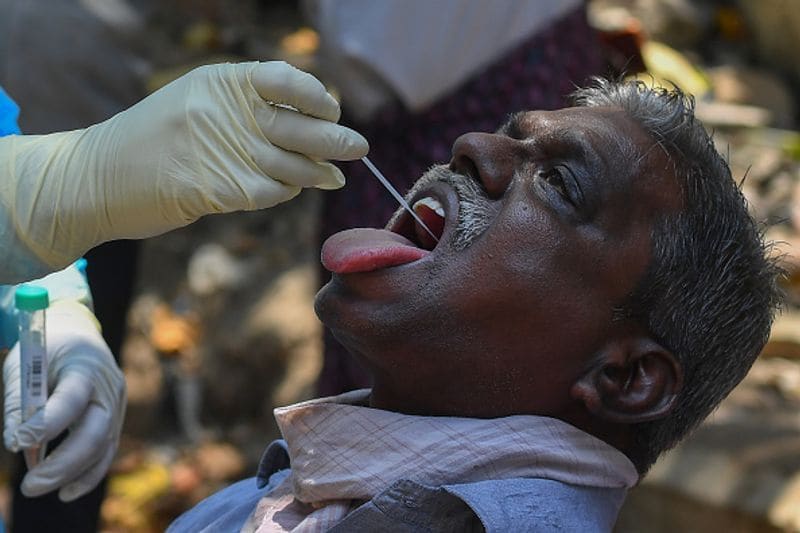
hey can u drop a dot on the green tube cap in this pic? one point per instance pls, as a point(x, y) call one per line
point(31, 298)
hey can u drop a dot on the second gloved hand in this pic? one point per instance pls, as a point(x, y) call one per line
point(87, 398)
point(222, 138)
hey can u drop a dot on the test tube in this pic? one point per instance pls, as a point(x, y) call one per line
point(31, 302)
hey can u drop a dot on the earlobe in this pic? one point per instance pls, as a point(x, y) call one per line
point(633, 380)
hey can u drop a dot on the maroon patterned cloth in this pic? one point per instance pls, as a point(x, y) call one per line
point(537, 74)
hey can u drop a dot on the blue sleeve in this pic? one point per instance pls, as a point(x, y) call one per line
point(9, 113)
point(228, 509)
point(540, 505)
point(66, 285)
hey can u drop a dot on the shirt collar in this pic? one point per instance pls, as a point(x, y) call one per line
point(341, 449)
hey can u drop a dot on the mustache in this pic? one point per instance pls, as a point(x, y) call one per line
point(475, 210)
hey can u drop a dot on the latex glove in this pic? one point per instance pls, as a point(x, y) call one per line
point(212, 141)
point(87, 396)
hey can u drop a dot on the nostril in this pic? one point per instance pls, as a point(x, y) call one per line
point(466, 149)
point(465, 166)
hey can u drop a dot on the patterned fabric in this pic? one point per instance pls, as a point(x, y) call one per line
point(535, 75)
point(343, 454)
point(281, 511)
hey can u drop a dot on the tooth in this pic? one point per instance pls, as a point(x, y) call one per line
point(432, 204)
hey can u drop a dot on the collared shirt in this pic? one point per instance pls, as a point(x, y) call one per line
point(440, 471)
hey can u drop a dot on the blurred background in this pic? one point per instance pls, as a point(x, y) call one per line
point(218, 324)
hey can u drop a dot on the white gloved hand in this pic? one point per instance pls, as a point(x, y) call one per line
point(212, 141)
point(88, 398)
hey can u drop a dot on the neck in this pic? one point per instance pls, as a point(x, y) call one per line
point(617, 435)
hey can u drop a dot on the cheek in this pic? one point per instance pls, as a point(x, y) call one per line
point(530, 299)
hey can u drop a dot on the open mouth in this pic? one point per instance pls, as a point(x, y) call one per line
point(404, 241)
point(431, 212)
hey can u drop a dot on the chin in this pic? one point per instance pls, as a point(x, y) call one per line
point(343, 313)
point(369, 329)
point(345, 325)
point(325, 305)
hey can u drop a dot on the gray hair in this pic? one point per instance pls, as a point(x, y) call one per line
point(710, 292)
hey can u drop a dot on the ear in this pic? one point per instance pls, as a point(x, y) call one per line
point(633, 379)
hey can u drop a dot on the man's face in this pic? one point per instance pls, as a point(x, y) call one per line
point(545, 230)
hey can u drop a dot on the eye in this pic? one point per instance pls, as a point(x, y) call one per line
point(554, 177)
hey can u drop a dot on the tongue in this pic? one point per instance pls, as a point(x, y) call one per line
point(367, 249)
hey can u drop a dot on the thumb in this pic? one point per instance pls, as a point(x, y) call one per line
point(31, 433)
point(12, 409)
point(11, 424)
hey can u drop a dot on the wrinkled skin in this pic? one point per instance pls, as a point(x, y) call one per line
point(510, 322)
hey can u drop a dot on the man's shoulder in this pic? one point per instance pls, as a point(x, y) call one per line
point(537, 504)
point(516, 504)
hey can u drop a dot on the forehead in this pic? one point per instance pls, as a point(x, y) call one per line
point(529, 120)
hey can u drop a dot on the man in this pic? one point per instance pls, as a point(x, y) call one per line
point(596, 289)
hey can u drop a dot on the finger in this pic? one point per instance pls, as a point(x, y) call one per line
point(279, 82)
point(268, 199)
point(310, 136)
point(87, 440)
point(263, 191)
point(11, 423)
point(12, 408)
point(64, 406)
point(12, 417)
point(89, 479)
point(30, 433)
point(291, 168)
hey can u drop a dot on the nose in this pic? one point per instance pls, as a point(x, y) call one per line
point(487, 157)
